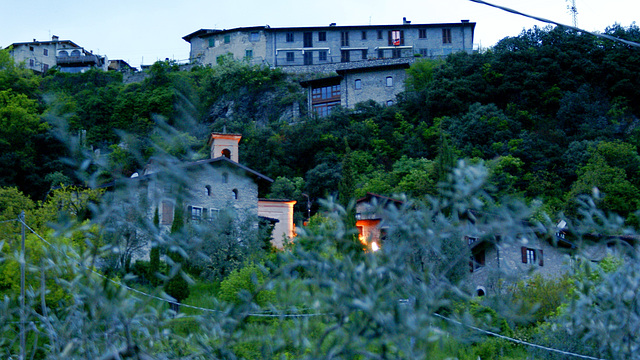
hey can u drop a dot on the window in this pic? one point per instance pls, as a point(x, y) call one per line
point(322, 55)
point(389, 81)
point(477, 261)
point(380, 54)
point(212, 42)
point(167, 212)
point(45, 52)
point(389, 102)
point(531, 256)
point(307, 39)
point(227, 39)
point(364, 54)
point(308, 58)
point(422, 33)
point(226, 153)
point(225, 178)
point(32, 62)
point(248, 54)
point(254, 36)
point(213, 214)
point(322, 36)
point(208, 190)
point(364, 35)
point(45, 67)
point(358, 84)
point(289, 37)
point(345, 56)
point(446, 36)
point(235, 194)
point(290, 56)
point(471, 240)
point(195, 212)
point(30, 48)
point(379, 34)
point(424, 52)
point(395, 38)
point(344, 38)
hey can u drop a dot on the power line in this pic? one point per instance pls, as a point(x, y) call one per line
point(292, 315)
point(518, 341)
point(630, 43)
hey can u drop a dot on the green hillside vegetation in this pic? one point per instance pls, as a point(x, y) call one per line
point(541, 127)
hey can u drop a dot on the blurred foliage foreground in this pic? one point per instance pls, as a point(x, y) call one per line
point(322, 298)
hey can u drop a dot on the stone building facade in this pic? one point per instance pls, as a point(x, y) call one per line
point(213, 186)
point(328, 46)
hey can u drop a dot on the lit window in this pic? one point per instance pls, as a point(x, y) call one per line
point(358, 84)
point(289, 37)
point(446, 36)
point(389, 81)
point(290, 56)
point(322, 36)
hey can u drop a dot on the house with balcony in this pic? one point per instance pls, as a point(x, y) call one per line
point(40, 56)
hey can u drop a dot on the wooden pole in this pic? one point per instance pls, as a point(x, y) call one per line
point(23, 342)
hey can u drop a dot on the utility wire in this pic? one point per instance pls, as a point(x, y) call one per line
point(518, 341)
point(291, 315)
point(630, 43)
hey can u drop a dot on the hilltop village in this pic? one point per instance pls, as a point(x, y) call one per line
point(375, 192)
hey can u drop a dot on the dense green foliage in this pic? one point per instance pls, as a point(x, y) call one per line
point(548, 118)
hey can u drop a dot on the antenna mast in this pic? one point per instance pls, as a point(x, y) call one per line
point(574, 11)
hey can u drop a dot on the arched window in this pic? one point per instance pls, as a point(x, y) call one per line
point(226, 153)
point(75, 53)
point(235, 194)
point(63, 53)
point(480, 291)
point(225, 178)
point(208, 190)
point(389, 81)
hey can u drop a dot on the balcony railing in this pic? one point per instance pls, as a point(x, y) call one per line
point(77, 60)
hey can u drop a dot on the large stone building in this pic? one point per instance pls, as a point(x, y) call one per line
point(320, 48)
point(40, 56)
point(369, 60)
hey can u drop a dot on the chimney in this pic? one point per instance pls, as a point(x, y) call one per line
point(332, 24)
point(464, 21)
point(55, 38)
point(226, 145)
point(405, 22)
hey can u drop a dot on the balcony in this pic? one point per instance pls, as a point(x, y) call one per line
point(84, 60)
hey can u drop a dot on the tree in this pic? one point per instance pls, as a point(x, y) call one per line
point(177, 287)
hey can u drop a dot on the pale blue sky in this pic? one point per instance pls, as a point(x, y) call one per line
point(149, 30)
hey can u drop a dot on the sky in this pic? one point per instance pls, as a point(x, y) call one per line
point(144, 31)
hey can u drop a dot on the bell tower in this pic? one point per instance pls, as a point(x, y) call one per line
point(223, 144)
